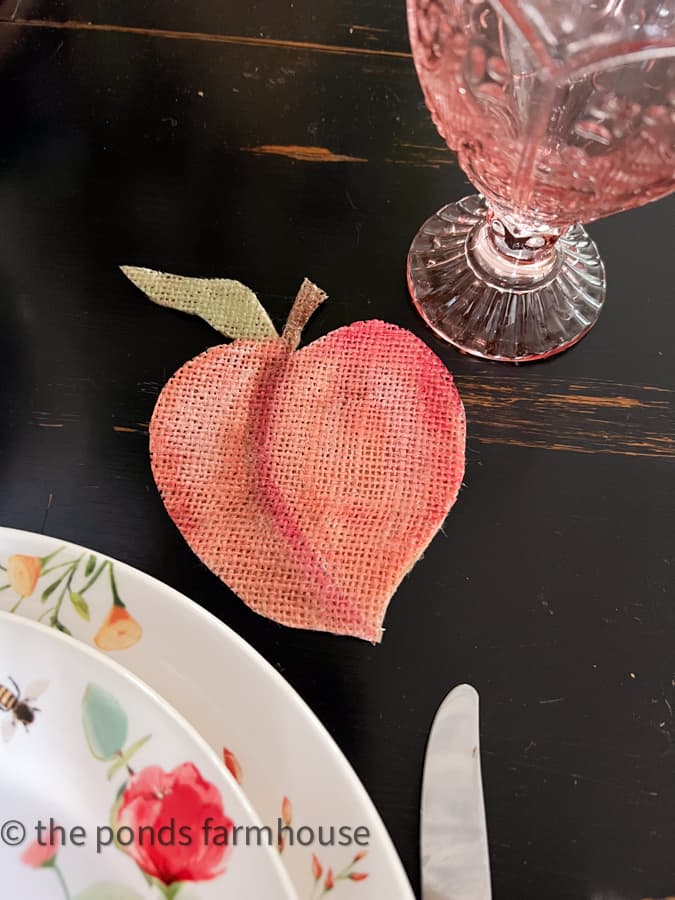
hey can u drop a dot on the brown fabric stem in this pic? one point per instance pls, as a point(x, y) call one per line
point(308, 300)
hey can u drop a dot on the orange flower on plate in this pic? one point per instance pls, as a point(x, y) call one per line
point(329, 883)
point(317, 868)
point(358, 876)
point(232, 763)
point(23, 573)
point(286, 818)
point(119, 631)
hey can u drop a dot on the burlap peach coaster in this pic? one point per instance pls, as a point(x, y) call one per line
point(312, 480)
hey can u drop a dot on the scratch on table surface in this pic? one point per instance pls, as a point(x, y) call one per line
point(127, 429)
point(508, 393)
point(421, 146)
point(552, 700)
point(367, 28)
point(599, 381)
point(324, 155)
point(422, 155)
point(44, 518)
point(45, 418)
point(304, 154)
point(576, 448)
point(612, 402)
point(412, 162)
point(353, 205)
point(206, 37)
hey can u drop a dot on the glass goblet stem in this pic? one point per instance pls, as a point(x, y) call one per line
point(512, 257)
point(500, 290)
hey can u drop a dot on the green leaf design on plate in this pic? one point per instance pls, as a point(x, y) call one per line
point(108, 890)
point(80, 605)
point(94, 578)
point(169, 891)
point(105, 723)
point(229, 306)
point(48, 591)
point(149, 880)
point(126, 757)
point(113, 821)
point(89, 568)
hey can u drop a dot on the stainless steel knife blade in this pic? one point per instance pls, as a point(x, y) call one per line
point(454, 844)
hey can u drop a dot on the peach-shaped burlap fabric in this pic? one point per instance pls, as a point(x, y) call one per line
point(311, 481)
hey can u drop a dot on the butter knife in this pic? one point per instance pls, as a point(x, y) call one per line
point(454, 844)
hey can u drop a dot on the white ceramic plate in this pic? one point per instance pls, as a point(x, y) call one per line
point(288, 765)
point(92, 758)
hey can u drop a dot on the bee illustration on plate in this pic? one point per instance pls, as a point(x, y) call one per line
point(20, 708)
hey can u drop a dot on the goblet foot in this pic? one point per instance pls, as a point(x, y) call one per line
point(500, 316)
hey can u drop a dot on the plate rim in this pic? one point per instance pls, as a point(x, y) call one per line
point(11, 620)
point(331, 747)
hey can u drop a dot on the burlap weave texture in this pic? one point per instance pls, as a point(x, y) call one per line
point(311, 480)
point(229, 306)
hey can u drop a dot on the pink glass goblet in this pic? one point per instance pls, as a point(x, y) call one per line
point(560, 112)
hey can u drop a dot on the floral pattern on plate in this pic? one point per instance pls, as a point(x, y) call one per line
point(323, 881)
point(118, 631)
point(156, 817)
point(286, 755)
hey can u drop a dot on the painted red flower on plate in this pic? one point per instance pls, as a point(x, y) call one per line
point(41, 854)
point(175, 805)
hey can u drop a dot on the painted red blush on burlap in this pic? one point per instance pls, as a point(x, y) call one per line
point(311, 481)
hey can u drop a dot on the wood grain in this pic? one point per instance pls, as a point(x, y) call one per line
point(303, 154)
point(586, 416)
point(207, 37)
point(244, 83)
point(374, 24)
point(417, 155)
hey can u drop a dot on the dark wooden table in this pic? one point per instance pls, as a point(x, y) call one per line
point(270, 140)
